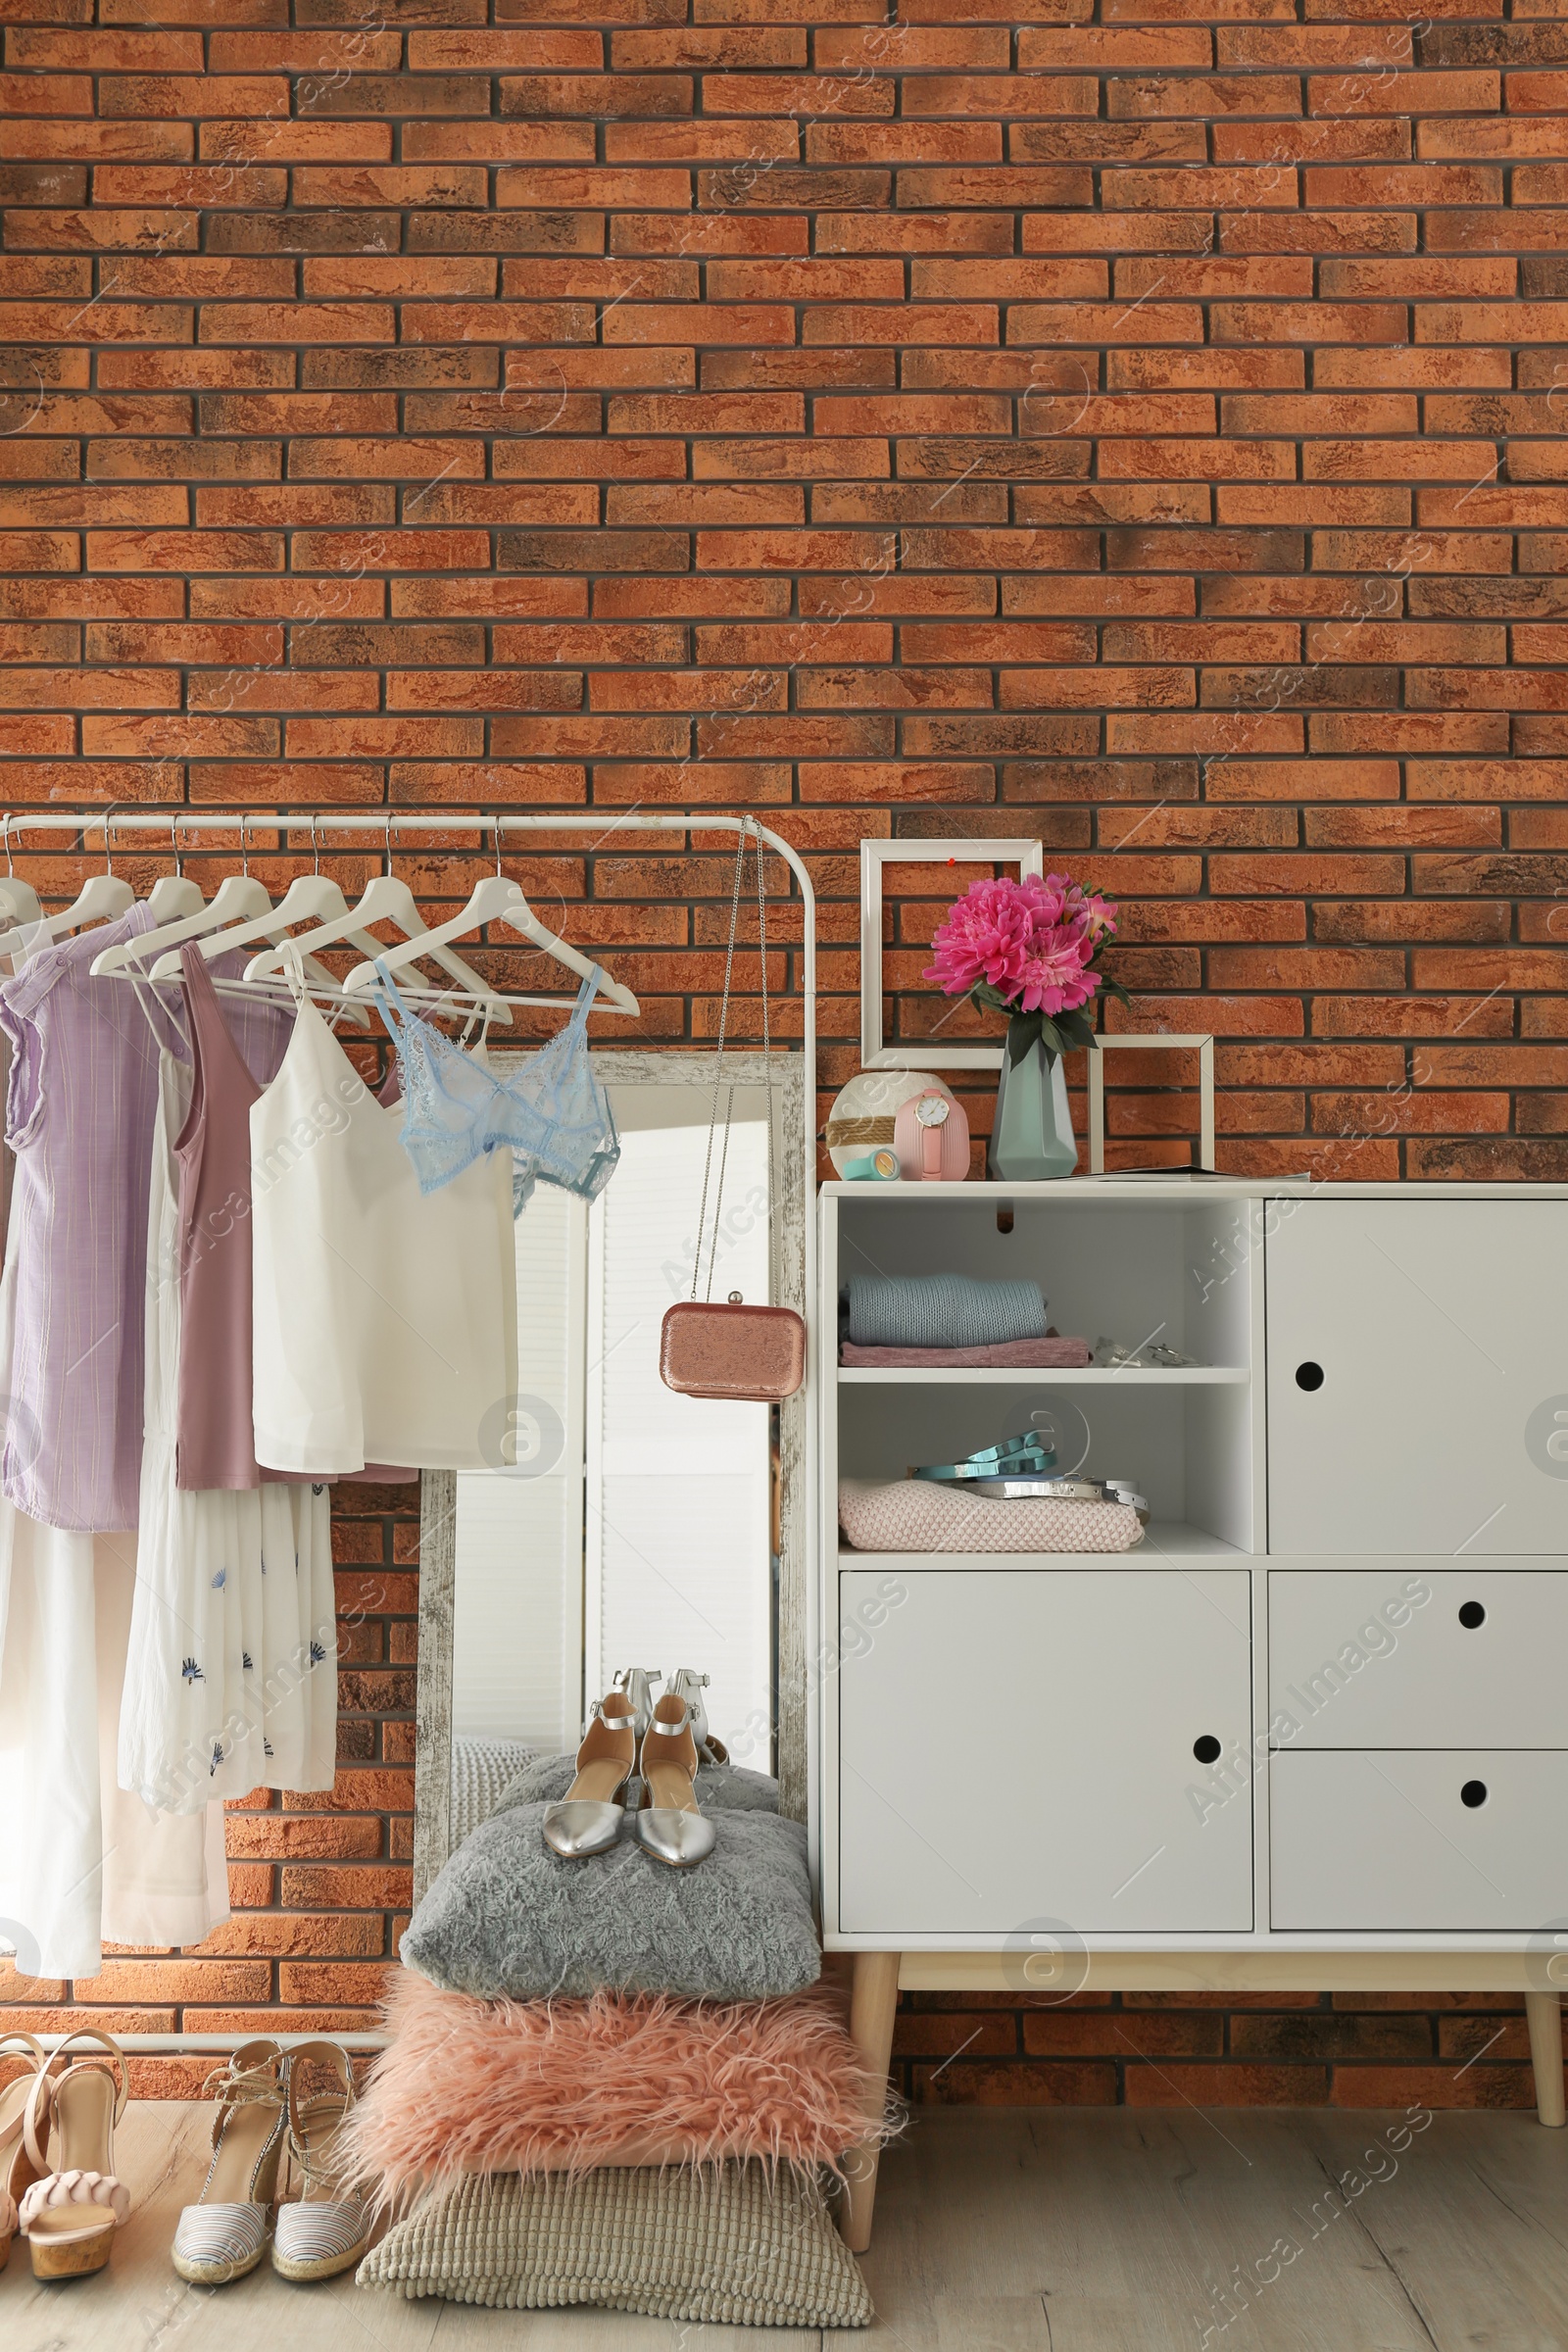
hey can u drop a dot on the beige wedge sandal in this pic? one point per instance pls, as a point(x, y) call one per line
point(17, 2175)
point(322, 2230)
point(223, 2235)
point(70, 2215)
point(587, 1819)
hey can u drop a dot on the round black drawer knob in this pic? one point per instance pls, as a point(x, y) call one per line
point(1471, 1614)
point(1206, 1750)
point(1310, 1376)
point(1474, 1793)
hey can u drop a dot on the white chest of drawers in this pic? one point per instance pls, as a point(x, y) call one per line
point(1314, 1731)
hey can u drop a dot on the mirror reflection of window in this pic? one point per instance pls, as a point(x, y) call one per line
point(516, 1666)
point(678, 1534)
point(636, 1529)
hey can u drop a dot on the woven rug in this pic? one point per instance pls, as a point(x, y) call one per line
point(743, 2245)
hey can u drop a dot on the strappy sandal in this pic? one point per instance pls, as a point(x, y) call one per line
point(687, 1684)
point(320, 2231)
point(70, 2215)
point(17, 2175)
point(670, 1824)
point(223, 2237)
point(637, 1681)
point(587, 1819)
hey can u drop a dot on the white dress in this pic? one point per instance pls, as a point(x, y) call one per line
point(385, 1318)
point(81, 1862)
point(231, 1682)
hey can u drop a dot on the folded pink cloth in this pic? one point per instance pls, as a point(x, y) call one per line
point(1027, 1354)
point(918, 1514)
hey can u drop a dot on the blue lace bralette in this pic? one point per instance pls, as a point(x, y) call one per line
point(554, 1114)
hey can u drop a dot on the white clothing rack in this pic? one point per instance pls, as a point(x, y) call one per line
point(386, 827)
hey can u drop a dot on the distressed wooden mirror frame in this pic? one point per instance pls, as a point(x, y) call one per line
point(438, 1489)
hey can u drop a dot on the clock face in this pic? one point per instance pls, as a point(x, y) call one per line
point(932, 1110)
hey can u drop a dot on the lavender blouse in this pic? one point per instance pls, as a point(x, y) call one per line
point(79, 1110)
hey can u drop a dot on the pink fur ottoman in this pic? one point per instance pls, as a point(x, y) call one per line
point(468, 2086)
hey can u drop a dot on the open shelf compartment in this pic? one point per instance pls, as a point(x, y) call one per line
point(1171, 1266)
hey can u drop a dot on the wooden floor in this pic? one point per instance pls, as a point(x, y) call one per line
point(997, 2230)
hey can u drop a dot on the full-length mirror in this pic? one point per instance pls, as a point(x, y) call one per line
point(624, 1524)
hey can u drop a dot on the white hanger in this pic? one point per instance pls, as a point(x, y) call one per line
point(102, 898)
point(386, 899)
point(235, 897)
point(309, 898)
point(172, 895)
point(19, 900)
point(496, 899)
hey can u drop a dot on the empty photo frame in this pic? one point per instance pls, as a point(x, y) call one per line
point(923, 1053)
point(1143, 1042)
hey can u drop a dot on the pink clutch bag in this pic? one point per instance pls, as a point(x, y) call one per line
point(744, 1354)
point(931, 1137)
point(731, 1351)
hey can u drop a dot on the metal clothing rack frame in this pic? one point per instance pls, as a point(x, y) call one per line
point(385, 825)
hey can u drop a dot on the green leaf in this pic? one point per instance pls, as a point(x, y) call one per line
point(1024, 1030)
point(988, 999)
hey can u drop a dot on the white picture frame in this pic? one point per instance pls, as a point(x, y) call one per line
point(926, 1054)
point(1141, 1041)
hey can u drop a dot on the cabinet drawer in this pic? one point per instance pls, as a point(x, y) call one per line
point(1389, 1841)
point(1394, 1656)
point(1016, 1745)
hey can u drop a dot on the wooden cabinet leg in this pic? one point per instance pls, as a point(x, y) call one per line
point(1546, 2055)
point(873, 2003)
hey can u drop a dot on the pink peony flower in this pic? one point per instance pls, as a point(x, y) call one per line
point(1055, 975)
point(984, 936)
point(1047, 898)
point(1033, 940)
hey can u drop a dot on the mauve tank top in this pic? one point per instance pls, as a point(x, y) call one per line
point(214, 1440)
point(237, 1048)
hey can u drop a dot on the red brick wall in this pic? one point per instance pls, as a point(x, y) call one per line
point(1274, 2049)
point(1131, 421)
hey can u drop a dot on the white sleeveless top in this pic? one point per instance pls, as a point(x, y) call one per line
point(385, 1318)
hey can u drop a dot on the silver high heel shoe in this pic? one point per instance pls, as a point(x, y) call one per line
point(637, 1681)
point(587, 1819)
point(670, 1824)
point(687, 1684)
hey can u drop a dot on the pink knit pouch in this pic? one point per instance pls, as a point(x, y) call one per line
point(915, 1514)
